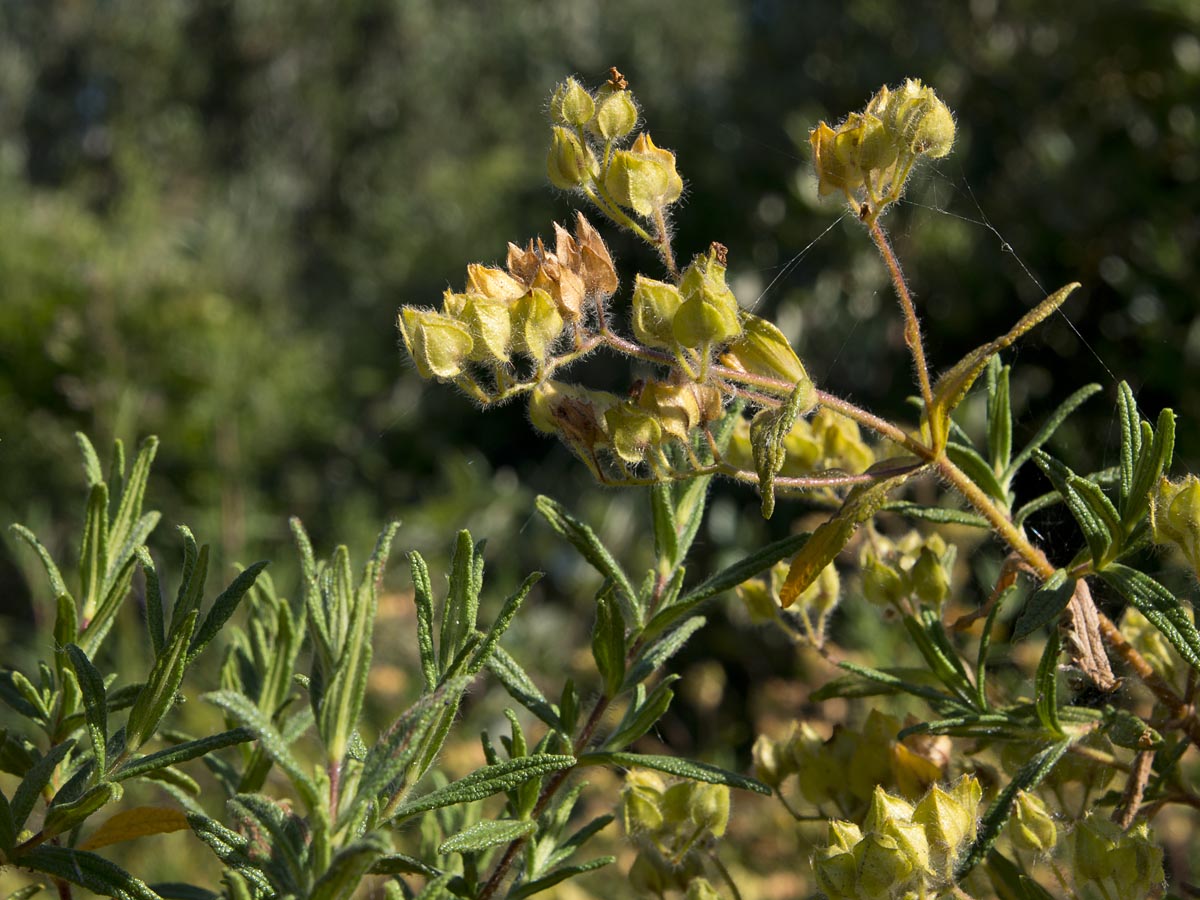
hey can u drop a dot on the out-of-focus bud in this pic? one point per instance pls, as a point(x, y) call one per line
point(1151, 643)
point(571, 105)
point(882, 866)
point(761, 604)
point(708, 806)
point(438, 344)
point(1091, 773)
point(701, 889)
point(763, 350)
point(836, 875)
point(869, 759)
point(1092, 844)
point(642, 799)
point(574, 413)
point(655, 304)
point(842, 441)
point(633, 431)
point(616, 113)
point(596, 265)
point(882, 584)
point(1137, 863)
point(709, 314)
point(569, 163)
point(834, 174)
point(950, 821)
point(770, 764)
point(821, 766)
point(930, 580)
point(643, 178)
point(648, 879)
point(496, 284)
point(1175, 516)
point(1031, 827)
point(537, 323)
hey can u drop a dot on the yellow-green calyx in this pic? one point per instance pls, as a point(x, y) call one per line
point(709, 313)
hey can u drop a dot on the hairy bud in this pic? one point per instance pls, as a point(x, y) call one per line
point(438, 344)
point(570, 164)
point(572, 105)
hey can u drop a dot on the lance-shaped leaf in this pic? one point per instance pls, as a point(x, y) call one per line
point(830, 537)
point(62, 817)
point(35, 781)
point(191, 582)
point(423, 597)
point(273, 743)
point(1164, 610)
point(231, 849)
point(171, 756)
point(507, 613)
point(999, 416)
point(95, 703)
point(1051, 425)
point(521, 687)
point(461, 607)
point(725, 580)
point(93, 550)
point(656, 654)
point(58, 587)
point(1131, 439)
point(642, 713)
point(666, 529)
point(483, 835)
point(588, 544)
point(891, 681)
point(349, 867)
point(977, 469)
point(99, 624)
point(673, 765)
point(1046, 685)
point(270, 824)
point(1045, 606)
point(952, 386)
point(487, 781)
point(155, 625)
point(608, 643)
point(88, 870)
point(158, 694)
point(125, 529)
point(1028, 778)
point(1152, 462)
point(1097, 518)
point(223, 608)
point(547, 881)
point(942, 514)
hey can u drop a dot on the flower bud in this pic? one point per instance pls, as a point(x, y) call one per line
point(862, 143)
point(760, 603)
point(643, 178)
point(834, 174)
point(930, 580)
point(489, 320)
point(642, 802)
point(1137, 863)
point(709, 313)
point(773, 760)
point(536, 324)
point(574, 413)
point(701, 889)
point(822, 595)
point(1175, 516)
point(495, 283)
point(680, 407)
point(438, 344)
point(843, 835)
point(821, 766)
point(569, 163)
point(648, 879)
point(564, 286)
point(836, 875)
point(632, 431)
point(881, 866)
point(882, 584)
point(616, 113)
point(763, 350)
point(886, 808)
point(1092, 845)
point(1031, 826)
point(571, 105)
point(708, 806)
point(949, 820)
point(655, 304)
point(920, 121)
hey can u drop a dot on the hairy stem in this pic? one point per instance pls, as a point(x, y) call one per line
point(912, 325)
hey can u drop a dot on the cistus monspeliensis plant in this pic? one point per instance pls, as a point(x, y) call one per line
point(991, 784)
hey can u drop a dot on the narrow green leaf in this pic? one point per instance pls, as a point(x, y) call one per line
point(642, 714)
point(1029, 777)
point(154, 602)
point(890, 680)
point(666, 529)
point(1010, 883)
point(64, 816)
point(507, 612)
point(985, 643)
point(487, 781)
point(26, 892)
point(88, 870)
point(1093, 526)
point(939, 514)
point(1046, 685)
point(608, 643)
point(521, 687)
point(588, 544)
point(92, 470)
point(401, 864)
point(191, 583)
point(230, 848)
point(175, 890)
point(977, 469)
point(656, 654)
point(550, 879)
point(458, 619)
point(8, 827)
point(105, 613)
point(93, 551)
point(35, 781)
point(423, 596)
point(273, 743)
point(16, 755)
point(1101, 509)
point(19, 694)
point(223, 608)
point(999, 416)
point(172, 756)
point(483, 835)
point(727, 579)
point(1151, 464)
point(1045, 605)
point(673, 765)
point(58, 587)
point(349, 867)
point(158, 694)
point(941, 658)
point(1160, 606)
point(95, 702)
point(1050, 426)
point(1131, 439)
point(132, 494)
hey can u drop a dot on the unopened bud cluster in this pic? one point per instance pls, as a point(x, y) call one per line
point(1175, 517)
point(760, 596)
point(1125, 864)
point(673, 825)
point(901, 851)
point(845, 770)
point(912, 569)
point(869, 155)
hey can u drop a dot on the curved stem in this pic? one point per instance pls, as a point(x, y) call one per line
point(664, 242)
point(912, 325)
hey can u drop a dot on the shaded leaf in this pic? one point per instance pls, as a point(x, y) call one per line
point(1045, 605)
point(487, 781)
point(673, 765)
point(1160, 606)
point(135, 823)
point(588, 544)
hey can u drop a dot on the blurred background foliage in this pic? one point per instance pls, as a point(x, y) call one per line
point(211, 211)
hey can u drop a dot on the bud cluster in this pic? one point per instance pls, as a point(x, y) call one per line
point(1175, 517)
point(901, 851)
point(913, 569)
point(1125, 864)
point(846, 769)
point(585, 152)
point(673, 825)
point(869, 155)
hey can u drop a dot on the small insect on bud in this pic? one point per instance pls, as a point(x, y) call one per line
point(1031, 826)
point(643, 178)
point(571, 105)
point(655, 304)
point(569, 163)
point(709, 314)
point(438, 344)
point(537, 323)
